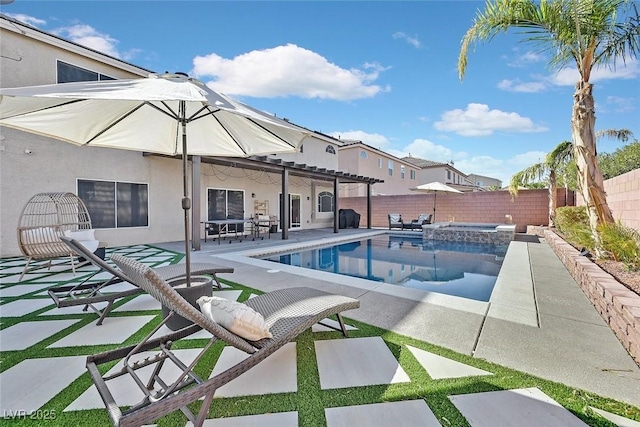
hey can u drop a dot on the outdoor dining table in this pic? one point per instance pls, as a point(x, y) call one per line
point(228, 227)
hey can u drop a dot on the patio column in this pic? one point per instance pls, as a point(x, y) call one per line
point(336, 207)
point(285, 208)
point(195, 201)
point(369, 205)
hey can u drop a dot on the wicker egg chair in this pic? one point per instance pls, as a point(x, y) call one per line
point(45, 218)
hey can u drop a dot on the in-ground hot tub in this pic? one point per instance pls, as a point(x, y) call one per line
point(499, 234)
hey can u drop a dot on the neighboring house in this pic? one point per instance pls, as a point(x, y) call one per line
point(485, 182)
point(108, 179)
point(446, 173)
point(359, 158)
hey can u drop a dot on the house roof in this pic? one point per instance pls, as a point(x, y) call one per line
point(426, 164)
point(349, 143)
point(423, 163)
point(11, 24)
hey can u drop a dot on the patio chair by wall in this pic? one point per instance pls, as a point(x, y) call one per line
point(417, 224)
point(90, 293)
point(43, 220)
point(395, 221)
point(287, 313)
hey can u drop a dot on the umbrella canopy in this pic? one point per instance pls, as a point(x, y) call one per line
point(435, 187)
point(147, 115)
point(168, 114)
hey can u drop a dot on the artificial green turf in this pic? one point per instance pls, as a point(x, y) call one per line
point(310, 400)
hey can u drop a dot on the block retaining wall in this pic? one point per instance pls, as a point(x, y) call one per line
point(531, 207)
point(618, 305)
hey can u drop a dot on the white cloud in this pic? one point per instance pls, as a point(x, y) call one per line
point(373, 139)
point(287, 71)
point(479, 120)
point(30, 20)
point(502, 169)
point(425, 149)
point(88, 36)
point(620, 104)
point(413, 41)
point(517, 86)
point(624, 70)
point(525, 59)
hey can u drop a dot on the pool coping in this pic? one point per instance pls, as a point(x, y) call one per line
point(512, 299)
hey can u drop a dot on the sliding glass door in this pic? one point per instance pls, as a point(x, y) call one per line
point(225, 204)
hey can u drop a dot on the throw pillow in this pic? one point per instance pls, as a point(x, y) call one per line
point(236, 317)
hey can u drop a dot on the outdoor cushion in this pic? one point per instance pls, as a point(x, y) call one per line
point(85, 237)
point(236, 317)
point(81, 235)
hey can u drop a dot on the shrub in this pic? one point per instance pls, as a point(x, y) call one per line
point(573, 223)
point(622, 243)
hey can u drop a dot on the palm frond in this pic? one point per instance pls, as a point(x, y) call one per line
point(561, 154)
point(585, 32)
point(525, 177)
point(620, 134)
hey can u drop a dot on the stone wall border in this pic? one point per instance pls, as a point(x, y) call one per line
point(618, 305)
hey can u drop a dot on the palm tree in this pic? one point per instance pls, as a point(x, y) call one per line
point(559, 156)
point(588, 33)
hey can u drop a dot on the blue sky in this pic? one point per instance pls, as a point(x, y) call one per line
point(382, 72)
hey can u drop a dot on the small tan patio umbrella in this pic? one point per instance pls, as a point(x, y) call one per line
point(435, 187)
point(169, 114)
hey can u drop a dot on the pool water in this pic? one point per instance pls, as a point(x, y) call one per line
point(463, 269)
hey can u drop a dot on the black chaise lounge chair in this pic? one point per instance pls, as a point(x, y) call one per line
point(287, 312)
point(89, 293)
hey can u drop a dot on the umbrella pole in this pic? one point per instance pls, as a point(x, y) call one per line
point(186, 202)
point(435, 194)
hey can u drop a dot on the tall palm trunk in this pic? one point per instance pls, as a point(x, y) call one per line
point(552, 198)
point(590, 181)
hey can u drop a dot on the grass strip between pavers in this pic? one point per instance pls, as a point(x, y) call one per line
point(310, 400)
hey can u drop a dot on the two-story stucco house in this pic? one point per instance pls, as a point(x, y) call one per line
point(358, 158)
point(446, 173)
point(106, 178)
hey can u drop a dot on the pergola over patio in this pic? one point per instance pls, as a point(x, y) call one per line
point(285, 169)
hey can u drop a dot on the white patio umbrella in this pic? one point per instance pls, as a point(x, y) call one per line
point(168, 114)
point(435, 187)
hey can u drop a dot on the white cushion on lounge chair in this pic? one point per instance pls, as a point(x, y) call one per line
point(85, 237)
point(236, 317)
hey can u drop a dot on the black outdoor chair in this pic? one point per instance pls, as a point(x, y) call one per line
point(417, 224)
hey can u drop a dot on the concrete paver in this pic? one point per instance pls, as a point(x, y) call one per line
point(514, 408)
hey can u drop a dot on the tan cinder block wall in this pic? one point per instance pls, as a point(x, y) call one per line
point(623, 197)
point(618, 305)
point(531, 207)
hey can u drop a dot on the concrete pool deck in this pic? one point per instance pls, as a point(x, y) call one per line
point(538, 320)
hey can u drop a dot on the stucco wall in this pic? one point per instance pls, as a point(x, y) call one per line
point(623, 197)
point(529, 208)
point(350, 160)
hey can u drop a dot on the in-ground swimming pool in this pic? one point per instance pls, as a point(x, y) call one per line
point(463, 269)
